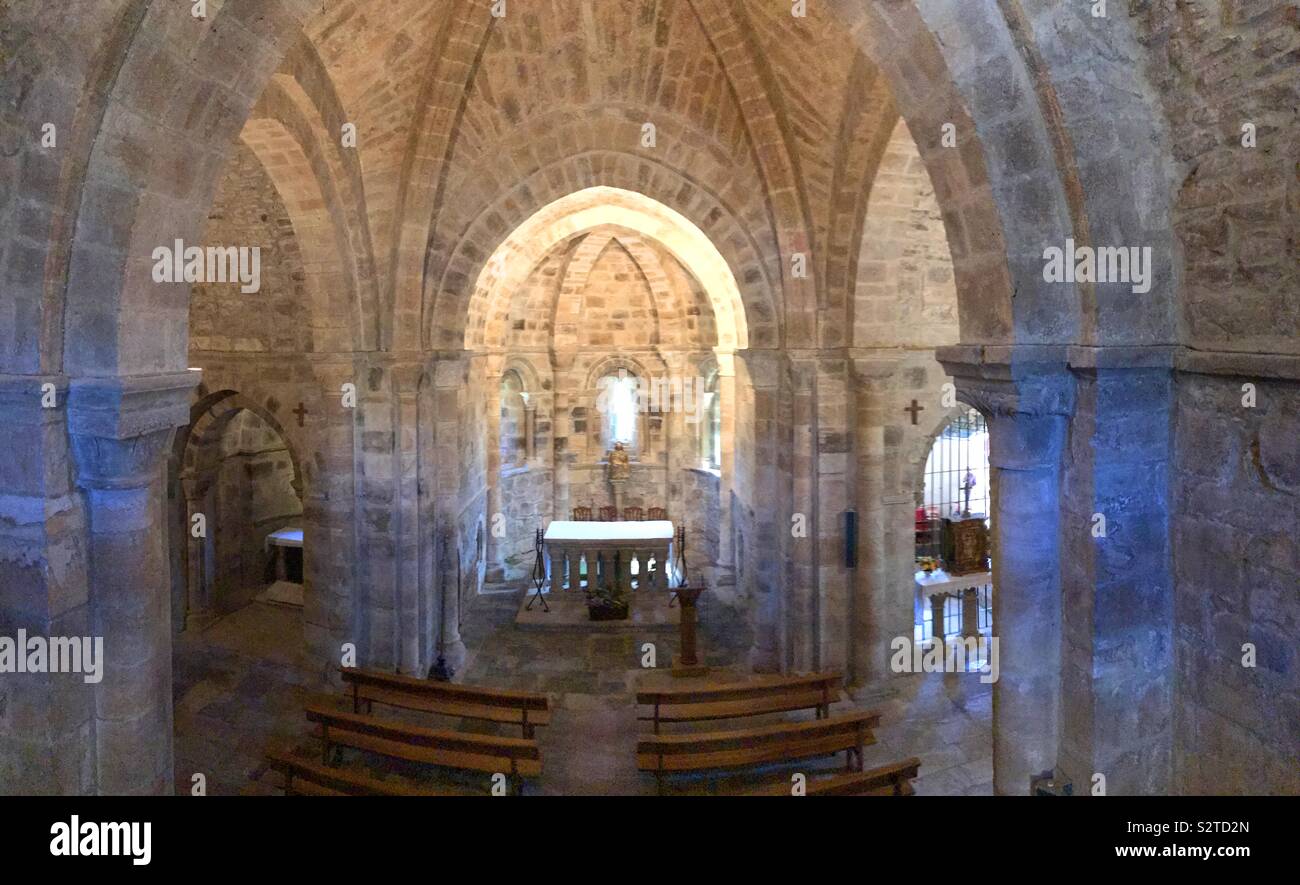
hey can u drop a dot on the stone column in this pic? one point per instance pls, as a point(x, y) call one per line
point(198, 604)
point(407, 527)
point(1117, 654)
point(881, 608)
point(764, 512)
point(46, 727)
point(450, 375)
point(970, 612)
point(331, 597)
point(121, 429)
point(1027, 409)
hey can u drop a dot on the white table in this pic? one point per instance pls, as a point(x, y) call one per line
point(284, 538)
point(939, 585)
point(602, 544)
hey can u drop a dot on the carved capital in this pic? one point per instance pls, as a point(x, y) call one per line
point(1011, 381)
point(121, 427)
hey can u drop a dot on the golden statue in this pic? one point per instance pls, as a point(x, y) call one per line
point(620, 467)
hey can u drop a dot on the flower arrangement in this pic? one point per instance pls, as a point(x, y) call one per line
point(927, 564)
point(608, 603)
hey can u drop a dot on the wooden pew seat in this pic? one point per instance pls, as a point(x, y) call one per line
point(524, 709)
point(305, 778)
point(894, 779)
point(782, 742)
point(735, 700)
point(515, 757)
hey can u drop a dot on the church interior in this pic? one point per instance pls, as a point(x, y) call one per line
point(650, 397)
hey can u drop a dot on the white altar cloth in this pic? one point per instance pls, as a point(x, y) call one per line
point(288, 537)
point(631, 544)
point(635, 530)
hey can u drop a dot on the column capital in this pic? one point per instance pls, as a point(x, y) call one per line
point(120, 427)
point(1006, 381)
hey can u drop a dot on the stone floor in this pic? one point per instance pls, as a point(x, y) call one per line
point(241, 685)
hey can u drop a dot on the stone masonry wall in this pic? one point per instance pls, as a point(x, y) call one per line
point(1237, 572)
point(248, 212)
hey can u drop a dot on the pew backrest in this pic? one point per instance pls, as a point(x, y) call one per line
point(514, 757)
point(368, 687)
point(740, 699)
point(782, 742)
point(303, 777)
point(887, 780)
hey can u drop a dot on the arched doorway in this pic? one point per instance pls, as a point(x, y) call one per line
point(953, 514)
point(606, 317)
point(235, 495)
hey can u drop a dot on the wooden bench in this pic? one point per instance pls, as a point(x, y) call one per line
point(305, 778)
point(887, 780)
point(517, 758)
point(739, 699)
point(785, 741)
point(520, 708)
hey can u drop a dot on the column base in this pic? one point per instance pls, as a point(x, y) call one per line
point(683, 671)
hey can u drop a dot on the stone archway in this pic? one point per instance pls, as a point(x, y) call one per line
point(573, 233)
point(191, 476)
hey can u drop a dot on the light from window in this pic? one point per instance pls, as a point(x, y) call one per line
point(620, 410)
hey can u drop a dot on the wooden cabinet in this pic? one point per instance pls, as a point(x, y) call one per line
point(965, 546)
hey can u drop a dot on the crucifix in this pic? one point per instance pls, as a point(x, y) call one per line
point(301, 412)
point(914, 408)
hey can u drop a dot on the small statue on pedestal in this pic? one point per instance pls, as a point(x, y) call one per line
point(968, 483)
point(620, 466)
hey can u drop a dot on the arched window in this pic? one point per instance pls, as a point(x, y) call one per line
point(618, 404)
point(512, 429)
point(957, 470)
point(711, 426)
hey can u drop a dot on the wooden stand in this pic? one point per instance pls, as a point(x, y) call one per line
point(688, 662)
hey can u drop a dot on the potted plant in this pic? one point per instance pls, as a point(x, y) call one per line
point(608, 603)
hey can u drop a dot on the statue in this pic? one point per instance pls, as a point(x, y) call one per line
point(620, 467)
point(968, 483)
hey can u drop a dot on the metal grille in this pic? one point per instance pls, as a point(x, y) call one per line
point(961, 449)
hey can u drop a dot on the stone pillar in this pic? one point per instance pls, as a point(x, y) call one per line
point(331, 598)
point(725, 574)
point(1027, 409)
point(1117, 655)
point(47, 723)
point(198, 604)
point(970, 612)
point(881, 607)
point(764, 513)
point(121, 429)
point(407, 526)
point(450, 375)
point(802, 597)
point(1024, 460)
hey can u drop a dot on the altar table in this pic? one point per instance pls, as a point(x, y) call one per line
point(602, 545)
point(939, 586)
point(286, 538)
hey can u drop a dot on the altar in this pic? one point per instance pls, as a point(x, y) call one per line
point(638, 554)
point(970, 591)
point(285, 550)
